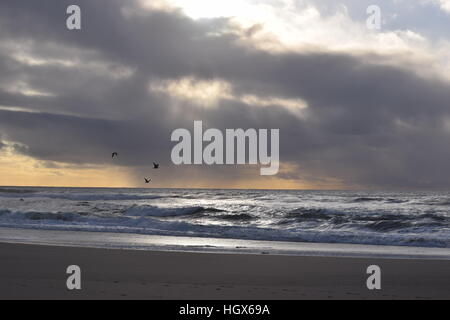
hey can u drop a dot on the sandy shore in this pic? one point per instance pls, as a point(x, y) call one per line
point(38, 272)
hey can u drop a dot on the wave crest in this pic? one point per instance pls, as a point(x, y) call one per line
point(152, 211)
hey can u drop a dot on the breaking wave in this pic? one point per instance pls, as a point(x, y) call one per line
point(379, 219)
point(151, 211)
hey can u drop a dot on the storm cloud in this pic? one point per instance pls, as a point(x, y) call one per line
point(370, 121)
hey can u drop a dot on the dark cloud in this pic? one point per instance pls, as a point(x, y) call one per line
point(368, 124)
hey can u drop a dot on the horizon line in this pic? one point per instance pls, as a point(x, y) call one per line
point(240, 189)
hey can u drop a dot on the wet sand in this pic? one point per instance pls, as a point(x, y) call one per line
point(39, 272)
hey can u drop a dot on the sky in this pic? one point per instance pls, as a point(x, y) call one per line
point(357, 108)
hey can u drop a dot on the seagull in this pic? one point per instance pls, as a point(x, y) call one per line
point(115, 154)
point(147, 180)
point(155, 165)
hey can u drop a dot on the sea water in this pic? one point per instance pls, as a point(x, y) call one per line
point(416, 219)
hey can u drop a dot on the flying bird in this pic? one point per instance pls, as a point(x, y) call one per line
point(147, 180)
point(155, 165)
point(115, 154)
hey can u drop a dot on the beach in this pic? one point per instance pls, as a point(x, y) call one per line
point(234, 150)
point(39, 272)
point(223, 244)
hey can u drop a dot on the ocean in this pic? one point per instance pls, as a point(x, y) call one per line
point(413, 219)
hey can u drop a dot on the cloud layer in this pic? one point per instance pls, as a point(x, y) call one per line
point(359, 115)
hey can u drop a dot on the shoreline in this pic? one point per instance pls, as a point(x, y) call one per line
point(39, 272)
point(126, 241)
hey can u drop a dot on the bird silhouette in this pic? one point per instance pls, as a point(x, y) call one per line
point(115, 154)
point(147, 180)
point(155, 165)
